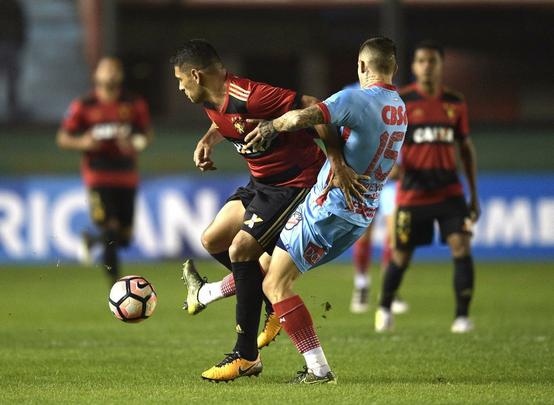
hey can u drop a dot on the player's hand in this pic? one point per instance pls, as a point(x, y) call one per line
point(259, 137)
point(88, 142)
point(202, 158)
point(349, 182)
point(474, 209)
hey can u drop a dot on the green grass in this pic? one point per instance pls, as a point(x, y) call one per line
point(59, 342)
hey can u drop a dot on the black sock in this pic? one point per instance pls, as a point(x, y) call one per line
point(463, 284)
point(248, 282)
point(268, 306)
point(111, 261)
point(223, 258)
point(391, 282)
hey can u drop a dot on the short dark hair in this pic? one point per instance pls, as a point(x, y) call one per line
point(197, 53)
point(384, 51)
point(430, 44)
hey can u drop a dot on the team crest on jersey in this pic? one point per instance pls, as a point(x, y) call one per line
point(450, 111)
point(124, 112)
point(313, 253)
point(240, 124)
point(294, 220)
point(418, 113)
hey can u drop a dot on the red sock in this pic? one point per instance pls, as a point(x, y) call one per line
point(297, 322)
point(228, 285)
point(362, 255)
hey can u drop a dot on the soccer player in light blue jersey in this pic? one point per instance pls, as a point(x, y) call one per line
point(373, 123)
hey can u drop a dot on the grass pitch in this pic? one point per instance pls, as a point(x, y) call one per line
point(59, 342)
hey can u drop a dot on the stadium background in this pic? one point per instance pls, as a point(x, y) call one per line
point(498, 54)
point(307, 46)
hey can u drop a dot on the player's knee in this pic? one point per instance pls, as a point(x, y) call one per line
point(401, 258)
point(460, 245)
point(211, 242)
point(125, 237)
point(244, 248)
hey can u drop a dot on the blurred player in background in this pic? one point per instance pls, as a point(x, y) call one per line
point(430, 189)
point(282, 170)
point(109, 126)
point(373, 122)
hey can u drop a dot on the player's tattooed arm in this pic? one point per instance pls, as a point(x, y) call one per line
point(291, 121)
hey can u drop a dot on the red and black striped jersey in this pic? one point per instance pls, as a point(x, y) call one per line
point(428, 157)
point(292, 159)
point(109, 166)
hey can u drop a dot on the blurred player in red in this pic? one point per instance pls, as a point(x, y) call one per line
point(282, 170)
point(109, 126)
point(430, 190)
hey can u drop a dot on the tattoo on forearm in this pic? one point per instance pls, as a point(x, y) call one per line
point(298, 119)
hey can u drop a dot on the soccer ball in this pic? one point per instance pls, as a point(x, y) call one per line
point(132, 299)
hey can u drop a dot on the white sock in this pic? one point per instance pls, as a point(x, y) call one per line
point(210, 292)
point(316, 361)
point(361, 281)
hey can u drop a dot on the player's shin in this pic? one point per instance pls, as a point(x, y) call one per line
point(463, 284)
point(393, 278)
point(297, 322)
point(111, 260)
point(248, 283)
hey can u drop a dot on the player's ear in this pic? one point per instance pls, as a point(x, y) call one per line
point(195, 73)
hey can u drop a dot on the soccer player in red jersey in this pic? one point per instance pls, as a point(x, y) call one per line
point(430, 189)
point(109, 126)
point(282, 171)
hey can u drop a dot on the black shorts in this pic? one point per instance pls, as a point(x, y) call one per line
point(112, 203)
point(414, 226)
point(267, 210)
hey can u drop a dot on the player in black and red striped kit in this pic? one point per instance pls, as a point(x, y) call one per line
point(282, 171)
point(430, 189)
point(110, 126)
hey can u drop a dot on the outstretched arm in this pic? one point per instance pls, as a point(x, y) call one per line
point(343, 176)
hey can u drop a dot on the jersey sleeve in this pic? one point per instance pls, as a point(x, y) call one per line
point(141, 122)
point(269, 102)
point(462, 127)
point(73, 118)
point(338, 109)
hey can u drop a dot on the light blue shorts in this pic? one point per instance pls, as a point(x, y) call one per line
point(313, 236)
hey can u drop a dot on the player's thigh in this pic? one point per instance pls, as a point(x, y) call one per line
point(125, 213)
point(282, 274)
point(219, 235)
point(456, 226)
point(413, 226)
point(269, 211)
point(102, 206)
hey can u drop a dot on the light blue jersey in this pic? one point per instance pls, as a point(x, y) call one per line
point(373, 122)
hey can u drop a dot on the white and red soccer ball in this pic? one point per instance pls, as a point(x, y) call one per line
point(132, 299)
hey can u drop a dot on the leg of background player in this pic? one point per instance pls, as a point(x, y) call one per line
point(111, 245)
point(399, 306)
point(362, 279)
point(393, 277)
point(460, 247)
point(293, 314)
